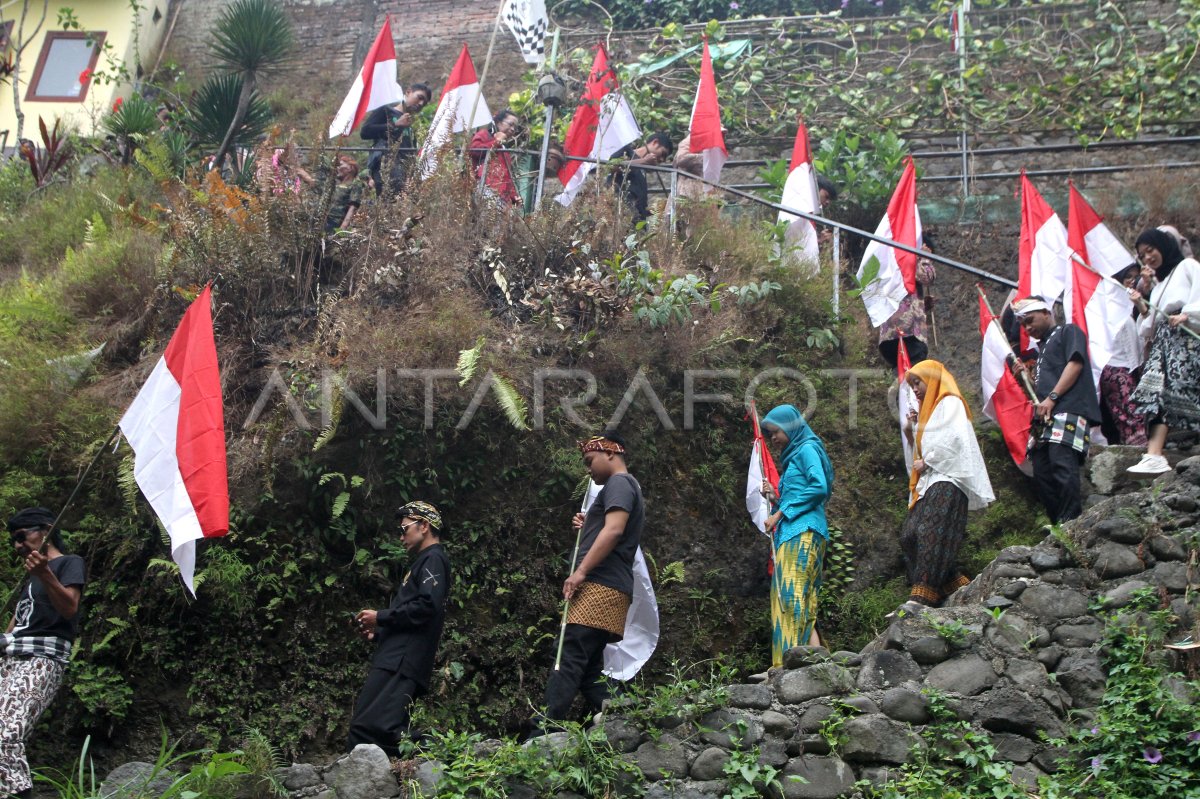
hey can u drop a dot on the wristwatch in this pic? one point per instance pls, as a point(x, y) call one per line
point(1053, 396)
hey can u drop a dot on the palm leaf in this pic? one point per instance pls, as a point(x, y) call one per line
point(213, 107)
point(252, 35)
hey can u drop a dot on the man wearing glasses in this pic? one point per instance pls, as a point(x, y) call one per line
point(37, 645)
point(405, 634)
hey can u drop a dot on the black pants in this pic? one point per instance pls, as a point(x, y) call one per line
point(1056, 477)
point(381, 712)
point(890, 350)
point(579, 671)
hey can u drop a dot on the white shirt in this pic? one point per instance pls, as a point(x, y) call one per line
point(951, 454)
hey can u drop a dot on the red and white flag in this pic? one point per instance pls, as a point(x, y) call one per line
point(1100, 307)
point(374, 86)
point(1003, 400)
point(626, 657)
point(1044, 257)
point(906, 398)
point(800, 193)
point(176, 427)
point(602, 125)
point(762, 467)
point(707, 137)
point(459, 97)
point(895, 270)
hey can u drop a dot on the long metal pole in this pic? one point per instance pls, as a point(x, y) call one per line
point(837, 274)
point(549, 124)
point(960, 38)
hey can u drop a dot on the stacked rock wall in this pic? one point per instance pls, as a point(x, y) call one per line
point(1014, 654)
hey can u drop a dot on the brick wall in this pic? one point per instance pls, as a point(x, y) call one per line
point(333, 37)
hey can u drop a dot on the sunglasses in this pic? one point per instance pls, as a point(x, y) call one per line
point(404, 527)
point(19, 536)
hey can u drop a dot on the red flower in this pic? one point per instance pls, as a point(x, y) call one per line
point(83, 76)
point(117, 104)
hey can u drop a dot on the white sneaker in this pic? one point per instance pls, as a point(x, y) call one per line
point(1150, 464)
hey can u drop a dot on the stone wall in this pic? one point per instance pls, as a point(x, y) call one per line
point(333, 37)
point(1015, 653)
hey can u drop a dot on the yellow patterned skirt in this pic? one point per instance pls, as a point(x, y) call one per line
point(794, 588)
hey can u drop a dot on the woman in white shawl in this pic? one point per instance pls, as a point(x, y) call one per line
point(947, 478)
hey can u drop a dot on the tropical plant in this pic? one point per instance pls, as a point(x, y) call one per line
point(213, 111)
point(252, 37)
point(46, 161)
point(130, 122)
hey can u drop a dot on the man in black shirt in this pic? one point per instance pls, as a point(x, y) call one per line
point(37, 645)
point(1066, 408)
point(631, 181)
point(389, 129)
point(406, 634)
point(600, 586)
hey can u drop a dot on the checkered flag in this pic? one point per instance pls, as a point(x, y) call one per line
point(528, 21)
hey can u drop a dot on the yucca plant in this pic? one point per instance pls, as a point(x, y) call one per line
point(130, 122)
point(251, 37)
point(213, 112)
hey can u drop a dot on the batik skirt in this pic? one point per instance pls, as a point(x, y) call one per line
point(27, 686)
point(1169, 391)
point(794, 587)
point(1117, 385)
point(930, 539)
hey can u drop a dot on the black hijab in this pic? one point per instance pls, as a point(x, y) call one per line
point(1166, 245)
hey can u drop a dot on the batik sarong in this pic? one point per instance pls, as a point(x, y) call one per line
point(794, 588)
point(27, 686)
point(930, 539)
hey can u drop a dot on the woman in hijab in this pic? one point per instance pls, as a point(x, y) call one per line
point(947, 478)
point(1168, 392)
point(798, 527)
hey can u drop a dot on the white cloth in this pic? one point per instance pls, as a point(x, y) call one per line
point(951, 453)
point(1127, 347)
point(1179, 293)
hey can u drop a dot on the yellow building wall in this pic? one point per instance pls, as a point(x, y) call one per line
point(117, 20)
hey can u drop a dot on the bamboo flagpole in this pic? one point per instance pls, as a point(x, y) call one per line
point(562, 630)
point(487, 62)
point(1023, 376)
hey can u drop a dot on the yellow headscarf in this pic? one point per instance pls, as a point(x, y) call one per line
point(939, 384)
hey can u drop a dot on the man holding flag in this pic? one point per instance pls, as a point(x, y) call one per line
point(389, 128)
point(1066, 407)
point(631, 180)
point(600, 587)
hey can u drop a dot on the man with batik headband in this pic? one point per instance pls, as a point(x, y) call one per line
point(406, 634)
point(37, 644)
point(600, 586)
point(1066, 407)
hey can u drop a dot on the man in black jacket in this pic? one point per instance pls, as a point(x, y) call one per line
point(405, 634)
point(389, 129)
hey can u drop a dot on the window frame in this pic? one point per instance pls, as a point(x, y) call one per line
point(97, 39)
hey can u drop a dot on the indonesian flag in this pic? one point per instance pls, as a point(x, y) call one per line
point(459, 96)
point(602, 125)
point(375, 85)
point(800, 193)
point(1003, 400)
point(626, 657)
point(707, 137)
point(762, 467)
point(1100, 307)
point(895, 271)
point(906, 398)
point(1044, 257)
point(176, 427)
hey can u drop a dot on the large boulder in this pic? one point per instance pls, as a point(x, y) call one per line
point(819, 778)
point(966, 675)
point(662, 759)
point(135, 779)
point(365, 773)
point(878, 739)
point(823, 679)
point(887, 669)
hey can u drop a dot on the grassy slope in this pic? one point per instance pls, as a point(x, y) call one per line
point(114, 258)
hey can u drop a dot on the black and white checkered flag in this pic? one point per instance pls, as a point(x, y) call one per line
point(528, 21)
